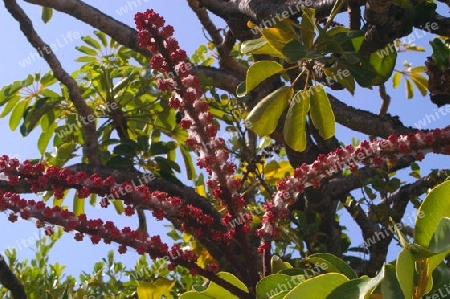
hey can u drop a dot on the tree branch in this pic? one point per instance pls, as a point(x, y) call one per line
point(10, 281)
point(90, 148)
point(225, 59)
point(366, 122)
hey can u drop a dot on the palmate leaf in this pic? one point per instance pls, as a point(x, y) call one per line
point(421, 83)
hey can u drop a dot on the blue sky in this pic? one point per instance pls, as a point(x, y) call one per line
point(15, 50)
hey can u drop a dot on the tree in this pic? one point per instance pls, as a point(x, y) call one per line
point(280, 177)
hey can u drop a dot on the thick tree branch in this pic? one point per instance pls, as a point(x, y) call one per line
point(442, 28)
point(263, 9)
point(366, 122)
point(90, 148)
point(225, 59)
point(10, 281)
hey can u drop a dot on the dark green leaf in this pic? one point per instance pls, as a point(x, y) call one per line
point(441, 53)
point(124, 150)
point(122, 162)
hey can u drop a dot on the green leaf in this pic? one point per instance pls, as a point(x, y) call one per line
point(263, 118)
point(86, 59)
point(295, 51)
point(86, 50)
point(383, 62)
point(259, 71)
point(124, 150)
point(49, 93)
point(321, 112)
point(121, 162)
point(216, 291)
point(277, 264)
point(161, 148)
point(342, 76)
point(318, 287)
point(441, 53)
point(364, 76)
point(307, 26)
point(188, 162)
point(11, 103)
point(405, 272)
point(78, 205)
point(240, 89)
point(45, 137)
point(102, 37)
point(91, 42)
point(390, 287)
point(16, 115)
point(275, 283)
point(252, 45)
point(435, 206)
point(295, 125)
point(48, 79)
point(47, 13)
point(28, 81)
point(439, 244)
point(118, 205)
point(278, 37)
point(353, 289)
point(331, 263)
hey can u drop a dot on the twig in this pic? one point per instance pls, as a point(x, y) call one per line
point(386, 100)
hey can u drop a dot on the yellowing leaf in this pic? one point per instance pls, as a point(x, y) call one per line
point(277, 37)
point(396, 79)
point(154, 290)
point(409, 89)
point(421, 83)
point(418, 69)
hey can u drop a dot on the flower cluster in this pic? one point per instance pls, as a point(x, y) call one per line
point(367, 153)
point(98, 229)
point(169, 59)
